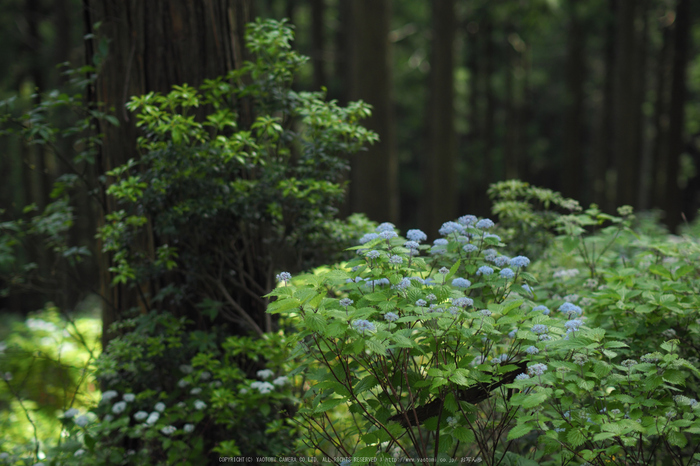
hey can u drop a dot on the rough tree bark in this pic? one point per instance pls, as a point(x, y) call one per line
point(154, 45)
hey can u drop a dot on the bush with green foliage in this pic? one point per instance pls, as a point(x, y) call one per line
point(237, 178)
point(445, 354)
point(46, 368)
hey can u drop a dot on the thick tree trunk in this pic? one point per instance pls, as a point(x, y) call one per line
point(154, 45)
point(440, 163)
point(374, 175)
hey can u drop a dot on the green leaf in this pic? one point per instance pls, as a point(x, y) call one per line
point(534, 399)
point(365, 384)
point(402, 341)
point(376, 347)
point(520, 430)
point(378, 296)
point(459, 378)
point(315, 322)
point(570, 243)
point(601, 369)
point(464, 435)
point(603, 436)
point(328, 404)
point(677, 439)
point(575, 437)
point(283, 305)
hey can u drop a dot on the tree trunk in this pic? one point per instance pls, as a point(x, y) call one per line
point(374, 175)
point(440, 162)
point(676, 132)
point(573, 169)
point(626, 111)
point(664, 67)
point(603, 155)
point(153, 45)
point(317, 43)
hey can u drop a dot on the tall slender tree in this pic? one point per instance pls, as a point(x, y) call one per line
point(440, 157)
point(374, 176)
point(676, 132)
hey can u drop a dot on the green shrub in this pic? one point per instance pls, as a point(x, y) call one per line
point(237, 178)
point(418, 351)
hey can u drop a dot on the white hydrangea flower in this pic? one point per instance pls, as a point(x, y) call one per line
point(188, 428)
point(79, 452)
point(262, 387)
point(108, 395)
point(119, 407)
point(81, 421)
point(141, 415)
point(71, 413)
point(195, 391)
point(153, 418)
point(199, 405)
point(279, 381)
point(167, 430)
point(265, 374)
point(129, 397)
point(160, 407)
point(186, 369)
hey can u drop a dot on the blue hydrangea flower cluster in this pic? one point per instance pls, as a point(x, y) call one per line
point(345, 302)
point(451, 227)
point(573, 325)
point(467, 220)
point(416, 235)
point(284, 277)
point(373, 254)
point(403, 284)
point(469, 248)
point(391, 317)
point(519, 261)
point(386, 226)
point(388, 234)
point(396, 260)
point(411, 245)
point(532, 350)
point(537, 369)
point(463, 302)
point(368, 237)
point(571, 310)
point(484, 270)
point(485, 224)
point(544, 309)
point(507, 273)
point(461, 283)
point(501, 261)
point(364, 325)
point(539, 329)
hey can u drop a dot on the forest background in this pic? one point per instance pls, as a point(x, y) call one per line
point(595, 99)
